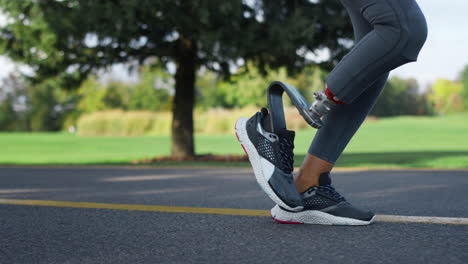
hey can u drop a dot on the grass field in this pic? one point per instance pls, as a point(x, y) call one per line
point(435, 142)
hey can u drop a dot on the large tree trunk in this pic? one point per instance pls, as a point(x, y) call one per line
point(184, 99)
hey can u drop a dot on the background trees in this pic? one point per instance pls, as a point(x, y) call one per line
point(402, 97)
point(447, 96)
point(222, 53)
point(464, 81)
point(72, 38)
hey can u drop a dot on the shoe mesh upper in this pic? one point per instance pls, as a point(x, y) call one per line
point(279, 151)
point(265, 148)
point(286, 147)
point(322, 196)
point(318, 202)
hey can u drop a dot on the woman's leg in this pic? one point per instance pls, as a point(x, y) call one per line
point(398, 32)
point(341, 123)
point(384, 42)
point(397, 35)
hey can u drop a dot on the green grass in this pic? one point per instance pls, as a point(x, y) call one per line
point(436, 142)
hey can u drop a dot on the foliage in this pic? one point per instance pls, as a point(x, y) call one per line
point(401, 97)
point(12, 101)
point(153, 91)
point(446, 96)
point(96, 96)
point(42, 112)
point(34, 106)
point(248, 88)
point(464, 80)
point(7, 114)
point(53, 35)
point(143, 95)
point(44, 106)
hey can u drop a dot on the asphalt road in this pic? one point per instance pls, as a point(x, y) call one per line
point(38, 234)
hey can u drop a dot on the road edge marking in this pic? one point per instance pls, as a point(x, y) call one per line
point(247, 167)
point(137, 207)
point(422, 219)
point(217, 211)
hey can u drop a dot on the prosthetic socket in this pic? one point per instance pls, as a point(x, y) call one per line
point(312, 114)
point(321, 105)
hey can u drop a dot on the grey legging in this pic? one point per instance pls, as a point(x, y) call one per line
point(388, 34)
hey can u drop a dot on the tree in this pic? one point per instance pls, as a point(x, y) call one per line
point(401, 97)
point(446, 96)
point(464, 80)
point(7, 113)
point(43, 115)
point(27, 106)
point(12, 87)
point(70, 39)
point(153, 90)
point(13, 94)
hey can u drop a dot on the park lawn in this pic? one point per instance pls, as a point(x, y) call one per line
point(412, 142)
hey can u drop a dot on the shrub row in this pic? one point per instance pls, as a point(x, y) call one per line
point(120, 123)
point(138, 123)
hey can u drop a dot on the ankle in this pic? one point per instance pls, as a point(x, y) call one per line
point(304, 182)
point(310, 171)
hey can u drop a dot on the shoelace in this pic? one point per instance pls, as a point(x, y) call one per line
point(327, 188)
point(286, 147)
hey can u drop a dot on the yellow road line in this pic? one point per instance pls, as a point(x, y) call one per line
point(136, 207)
point(182, 167)
point(219, 211)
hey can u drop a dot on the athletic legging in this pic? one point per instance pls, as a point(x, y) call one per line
point(388, 34)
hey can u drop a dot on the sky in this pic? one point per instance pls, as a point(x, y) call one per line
point(444, 55)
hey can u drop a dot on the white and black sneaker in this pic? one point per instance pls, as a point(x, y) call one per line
point(323, 205)
point(272, 158)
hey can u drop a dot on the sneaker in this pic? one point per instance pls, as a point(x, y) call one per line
point(323, 205)
point(272, 158)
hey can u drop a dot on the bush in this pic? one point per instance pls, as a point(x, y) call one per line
point(401, 97)
point(138, 123)
point(120, 123)
point(447, 96)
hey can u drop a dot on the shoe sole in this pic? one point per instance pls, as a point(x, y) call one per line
point(314, 217)
point(255, 160)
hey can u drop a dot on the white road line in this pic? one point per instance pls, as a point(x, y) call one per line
point(422, 219)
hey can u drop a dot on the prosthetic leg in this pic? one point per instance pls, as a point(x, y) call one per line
point(311, 113)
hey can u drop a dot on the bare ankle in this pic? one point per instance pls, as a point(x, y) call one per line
point(309, 173)
point(304, 181)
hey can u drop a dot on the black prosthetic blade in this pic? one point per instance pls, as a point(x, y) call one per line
point(275, 103)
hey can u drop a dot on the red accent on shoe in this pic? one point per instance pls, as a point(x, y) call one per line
point(245, 150)
point(237, 136)
point(331, 96)
point(242, 145)
point(286, 222)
